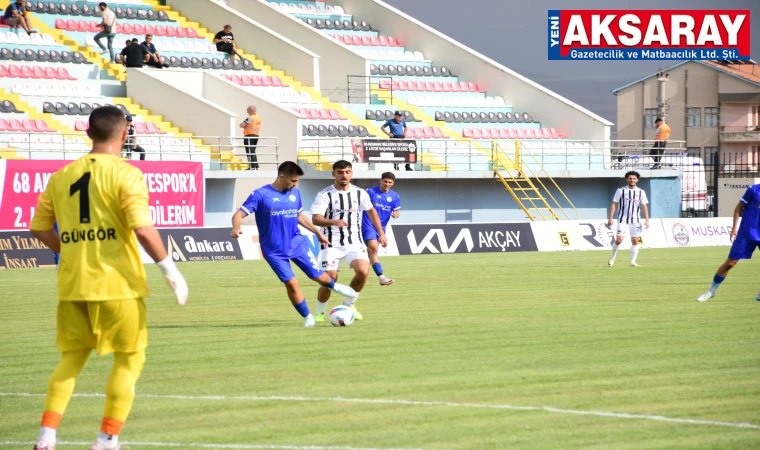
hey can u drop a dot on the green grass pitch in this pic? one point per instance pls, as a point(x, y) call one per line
point(558, 330)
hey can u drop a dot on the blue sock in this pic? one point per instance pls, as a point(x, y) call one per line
point(302, 308)
point(377, 268)
point(717, 280)
point(330, 285)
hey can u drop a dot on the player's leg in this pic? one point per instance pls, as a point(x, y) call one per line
point(740, 249)
point(309, 265)
point(329, 261)
point(121, 327)
point(622, 230)
point(357, 260)
point(324, 294)
point(370, 238)
point(635, 229)
point(284, 272)
point(75, 341)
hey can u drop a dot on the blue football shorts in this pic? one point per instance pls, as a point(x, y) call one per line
point(304, 260)
point(369, 233)
point(742, 248)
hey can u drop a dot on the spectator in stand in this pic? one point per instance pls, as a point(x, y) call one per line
point(225, 42)
point(133, 55)
point(15, 16)
point(120, 57)
point(251, 127)
point(661, 138)
point(396, 130)
point(109, 30)
point(130, 145)
point(152, 58)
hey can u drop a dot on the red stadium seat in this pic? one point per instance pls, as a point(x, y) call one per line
point(14, 71)
point(304, 112)
point(27, 72)
point(236, 79)
point(4, 72)
point(545, 132)
point(15, 125)
point(28, 125)
point(486, 133)
point(356, 40)
point(476, 133)
point(313, 113)
point(71, 25)
point(61, 24)
point(94, 28)
point(473, 87)
point(4, 125)
point(446, 86)
point(245, 80)
point(150, 29)
point(374, 40)
point(141, 128)
point(277, 82)
point(52, 74)
point(42, 126)
point(191, 33)
point(438, 86)
point(334, 114)
point(529, 134)
point(393, 42)
point(139, 29)
point(80, 125)
point(128, 28)
point(429, 132)
point(438, 133)
point(467, 132)
point(266, 81)
point(181, 32)
point(160, 30)
point(401, 86)
point(384, 84)
point(38, 72)
point(395, 86)
point(153, 128)
point(503, 133)
point(411, 85)
point(521, 133)
point(455, 87)
point(365, 40)
point(171, 31)
point(512, 133)
point(256, 80)
point(324, 114)
point(429, 87)
point(83, 26)
point(464, 87)
point(384, 41)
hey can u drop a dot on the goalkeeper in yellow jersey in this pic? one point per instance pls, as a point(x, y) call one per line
point(101, 205)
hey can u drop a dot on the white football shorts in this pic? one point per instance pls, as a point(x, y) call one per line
point(634, 229)
point(331, 257)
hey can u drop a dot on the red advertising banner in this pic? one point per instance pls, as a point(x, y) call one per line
point(176, 191)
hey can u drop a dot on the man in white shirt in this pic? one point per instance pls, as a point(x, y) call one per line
point(632, 201)
point(338, 209)
point(109, 30)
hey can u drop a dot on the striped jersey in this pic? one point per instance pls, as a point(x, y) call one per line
point(629, 202)
point(347, 206)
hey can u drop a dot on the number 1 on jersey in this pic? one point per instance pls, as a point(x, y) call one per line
point(82, 186)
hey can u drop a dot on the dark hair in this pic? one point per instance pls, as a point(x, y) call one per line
point(106, 123)
point(103, 5)
point(134, 40)
point(658, 120)
point(388, 176)
point(632, 172)
point(148, 36)
point(289, 168)
point(342, 164)
point(227, 26)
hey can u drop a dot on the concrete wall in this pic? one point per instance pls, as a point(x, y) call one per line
point(187, 111)
point(630, 113)
point(735, 114)
point(337, 60)
point(524, 94)
point(277, 50)
point(276, 121)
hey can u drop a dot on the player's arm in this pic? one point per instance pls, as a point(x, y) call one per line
point(133, 195)
point(304, 221)
point(737, 213)
point(396, 207)
point(250, 206)
point(645, 210)
point(375, 219)
point(321, 203)
point(612, 213)
point(42, 223)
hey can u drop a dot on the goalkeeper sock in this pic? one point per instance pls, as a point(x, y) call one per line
point(717, 280)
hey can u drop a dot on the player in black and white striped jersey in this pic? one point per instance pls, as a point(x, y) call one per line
point(633, 201)
point(338, 209)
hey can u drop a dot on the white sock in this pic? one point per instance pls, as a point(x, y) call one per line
point(108, 441)
point(614, 249)
point(634, 253)
point(48, 435)
point(321, 307)
point(349, 301)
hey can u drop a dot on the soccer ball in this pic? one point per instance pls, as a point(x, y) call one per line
point(341, 316)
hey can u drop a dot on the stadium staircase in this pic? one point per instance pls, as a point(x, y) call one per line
point(520, 173)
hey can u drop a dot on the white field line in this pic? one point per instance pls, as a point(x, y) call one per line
point(205, 445)
point(551, 409)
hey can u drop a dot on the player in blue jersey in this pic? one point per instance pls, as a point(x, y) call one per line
point(387, 205)
point(278, 212)
point(746, 238)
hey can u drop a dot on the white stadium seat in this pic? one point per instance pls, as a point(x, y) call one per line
point(339, 11)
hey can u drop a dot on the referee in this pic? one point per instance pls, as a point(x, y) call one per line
point(396, 130)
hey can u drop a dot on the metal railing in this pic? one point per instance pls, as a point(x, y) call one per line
point(740, 129)
point(216, 152)
point(360, 88)
point(474, 155)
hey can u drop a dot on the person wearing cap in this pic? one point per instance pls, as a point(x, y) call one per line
point(396, 130)
point(130, 145)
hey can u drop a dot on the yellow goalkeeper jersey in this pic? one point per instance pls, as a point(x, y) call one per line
point(97, 201)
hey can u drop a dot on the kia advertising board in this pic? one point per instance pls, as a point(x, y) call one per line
point(464, 238)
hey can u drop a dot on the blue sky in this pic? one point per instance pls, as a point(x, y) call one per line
point(514, 34)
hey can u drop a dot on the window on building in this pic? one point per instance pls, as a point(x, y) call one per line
point(650, 115)
point(694, 151)
point(755, 119)
point(710, 153)
point(694, 117)
point(711, 117)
